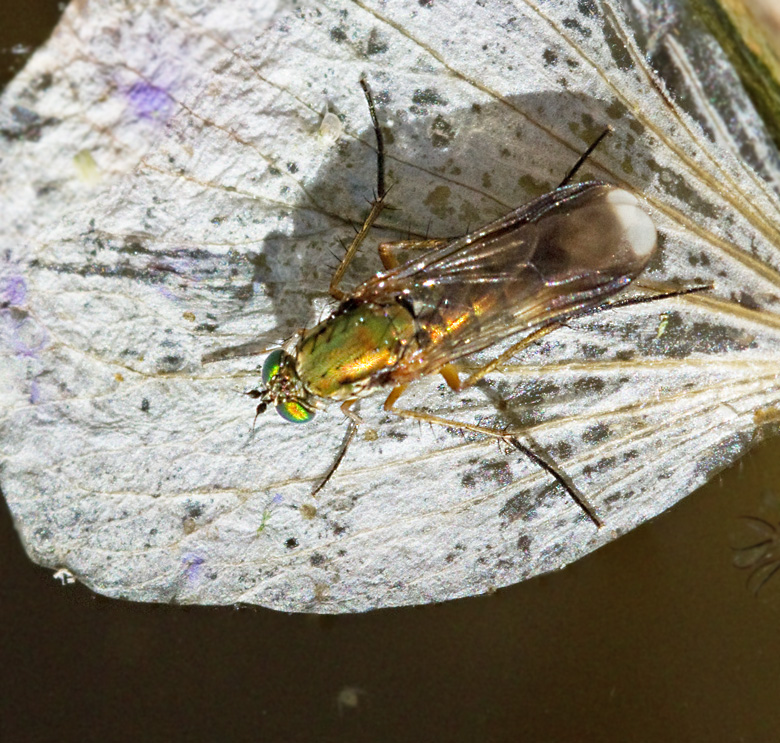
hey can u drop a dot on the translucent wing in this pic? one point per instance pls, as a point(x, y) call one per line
point(552, 258)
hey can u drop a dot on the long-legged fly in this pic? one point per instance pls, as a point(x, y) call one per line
point(559, 256)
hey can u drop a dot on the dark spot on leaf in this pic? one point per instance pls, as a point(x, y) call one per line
point(376, 45)
point(27, 125)
point(145, 405)
point(428, 97)
point(746, 300)
point(442, 132)
point(588, 385)
point(43, 82)
point(617, 48)
point(596, 433)
point(194, 510)
point(592, 351)
point(317, 559)
point(519, 506)
point(524, 543)
point(170, 363)
point(603, 465)
point(338, 35)
point(562, 450)
point(291, 543)
point(574, 25)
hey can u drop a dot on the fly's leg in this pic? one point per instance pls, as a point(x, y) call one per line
point(511, 351)
point(354, 421)
point(376, 206)
point(541, 332)
point(584, 156)
point(500, 435)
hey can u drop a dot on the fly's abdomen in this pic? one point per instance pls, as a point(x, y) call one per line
point(340, 357)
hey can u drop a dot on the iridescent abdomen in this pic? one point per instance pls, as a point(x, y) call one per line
point(343, 355)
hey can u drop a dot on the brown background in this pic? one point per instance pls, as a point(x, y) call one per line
point(653, 638)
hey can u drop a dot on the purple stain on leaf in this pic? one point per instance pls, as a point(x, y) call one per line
point(192, 566)
point(276, 500)
point(13, 291)
point(149, 101)
point(24, 336)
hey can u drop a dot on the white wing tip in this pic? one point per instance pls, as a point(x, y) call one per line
point(638, 228)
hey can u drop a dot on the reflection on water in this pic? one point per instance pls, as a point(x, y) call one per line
point(758, 548)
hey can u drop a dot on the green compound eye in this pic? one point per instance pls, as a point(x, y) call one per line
point(294, 412)
point(271, 365)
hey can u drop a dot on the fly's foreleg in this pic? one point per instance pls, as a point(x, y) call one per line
point(502, 436)
point(376, 206)
point(354, 421)
point(585, 155)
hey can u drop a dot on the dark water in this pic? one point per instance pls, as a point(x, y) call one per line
point(653, 638)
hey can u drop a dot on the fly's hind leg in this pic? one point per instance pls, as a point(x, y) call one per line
point(354, 421)
point(540, 333)
point(500, 435)
point(537, 335)
point(377, 205)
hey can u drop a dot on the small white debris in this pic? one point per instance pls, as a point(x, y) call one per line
point(349, 698)
point(662, 325)
point(64, 576)
point(330, 128)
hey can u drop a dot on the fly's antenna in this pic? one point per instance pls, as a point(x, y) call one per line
point(263, 396)
point(585, 155)
point(380, 142)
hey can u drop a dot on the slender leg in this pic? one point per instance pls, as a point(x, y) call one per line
point(377, 205)
point(541, 332)
point(662, 294)
point(395, 393)
point(585, 155)
point(376, 210)
point(511, 351)
point(349, 434)
point(501, 436)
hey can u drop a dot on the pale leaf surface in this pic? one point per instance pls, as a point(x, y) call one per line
point(138, 308)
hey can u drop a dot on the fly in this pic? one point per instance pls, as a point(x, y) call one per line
point(558, 257)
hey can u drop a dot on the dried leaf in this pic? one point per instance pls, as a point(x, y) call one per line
point(133, 324)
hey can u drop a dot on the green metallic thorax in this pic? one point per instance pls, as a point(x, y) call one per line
point(340, 357)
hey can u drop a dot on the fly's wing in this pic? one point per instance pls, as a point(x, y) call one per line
point(561, 253)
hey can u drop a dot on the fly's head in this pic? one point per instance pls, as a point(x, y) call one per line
point(283, 389)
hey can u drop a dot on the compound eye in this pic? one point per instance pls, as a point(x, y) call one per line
point(294, 412)
point(272, 365)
